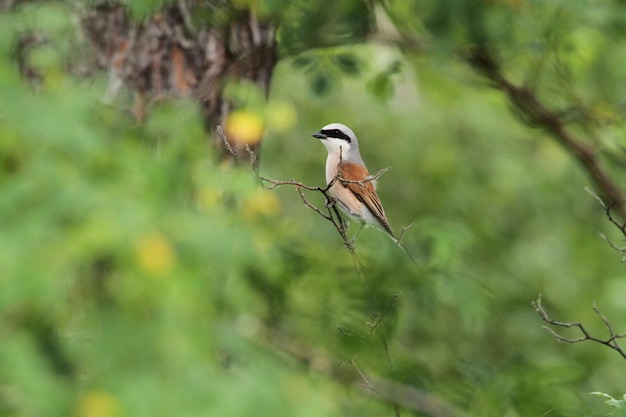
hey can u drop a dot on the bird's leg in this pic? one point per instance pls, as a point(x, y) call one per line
point(330, 203)
point(357, 232)
point(342, 222)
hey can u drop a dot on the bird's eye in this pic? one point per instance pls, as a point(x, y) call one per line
point(337, 134)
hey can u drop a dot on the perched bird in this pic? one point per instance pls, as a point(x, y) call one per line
point(353, 189)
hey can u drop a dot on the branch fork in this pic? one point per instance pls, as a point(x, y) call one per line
point(612, 341)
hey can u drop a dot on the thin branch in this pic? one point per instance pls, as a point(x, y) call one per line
point(613, 245)
point(313, 207)
point(332, 213)
point(372, 389)
point(413, 398)
point(404, 230)
point(366, 180)
point(361, 374)
point(377, 322)
point(333, 216)
point(620, 226)
point(378, 326)
point(611, 342)
point(607, 209)
point(402, 395)
point(230, 149)
point(535, 113)
point(346, 333)
point(276, 183)
point(608, 326)
point(253, 157)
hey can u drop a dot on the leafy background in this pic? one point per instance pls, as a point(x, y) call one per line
point(140, 276)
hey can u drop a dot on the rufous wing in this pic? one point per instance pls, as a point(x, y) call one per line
point(363, 190)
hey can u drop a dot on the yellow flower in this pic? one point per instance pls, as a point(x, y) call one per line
point(208, 197)
point(97, 404)
point(260, 202)
point(243, 126)
point(155, 254)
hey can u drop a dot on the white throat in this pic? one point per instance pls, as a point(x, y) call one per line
point(337, 152)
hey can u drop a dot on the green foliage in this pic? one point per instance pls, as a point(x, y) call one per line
point(140, 276)
point(382, 85)
point(305, 25)
point(619, 406)
point(500, 216)
point(326, 67)
point(125, 261)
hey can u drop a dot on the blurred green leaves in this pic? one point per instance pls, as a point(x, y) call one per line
point(139, 276)
point(619, 406)
point(305, 25)
point(121, 248)
point(326, 68)
point(382, 85)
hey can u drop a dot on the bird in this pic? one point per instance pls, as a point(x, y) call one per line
point(351, 185)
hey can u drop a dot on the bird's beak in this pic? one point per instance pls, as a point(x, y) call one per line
point(319, 135)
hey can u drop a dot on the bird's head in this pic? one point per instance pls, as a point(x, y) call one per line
point(337, 138)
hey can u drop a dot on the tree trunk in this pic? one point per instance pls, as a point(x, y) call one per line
point(166, 56)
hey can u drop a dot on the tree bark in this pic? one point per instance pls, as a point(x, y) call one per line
point(167, 56)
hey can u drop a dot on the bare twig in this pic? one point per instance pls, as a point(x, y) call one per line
point(230, 149)
point(401, 395)
point(413, 398)
point(366, 180)
point(253, 157)
point(313, 207)
point(611, 342)
point(370, 388)
point(378, 326)
point(613, 245)
point(404, 230)
point(346, 333)
point(332, 215)
point(276, 183)
point(620, 226)
point(535, 113)
point(607, 209)
point(361, 374)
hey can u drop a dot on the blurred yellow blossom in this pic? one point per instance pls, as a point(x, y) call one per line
point(155, 254)
point(244, 126)
point(97, 404)
point(260, 202)
point(208, 197)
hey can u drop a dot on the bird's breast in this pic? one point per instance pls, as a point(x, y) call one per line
point(332, 167)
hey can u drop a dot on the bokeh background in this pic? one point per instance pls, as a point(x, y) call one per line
point(141, 274)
